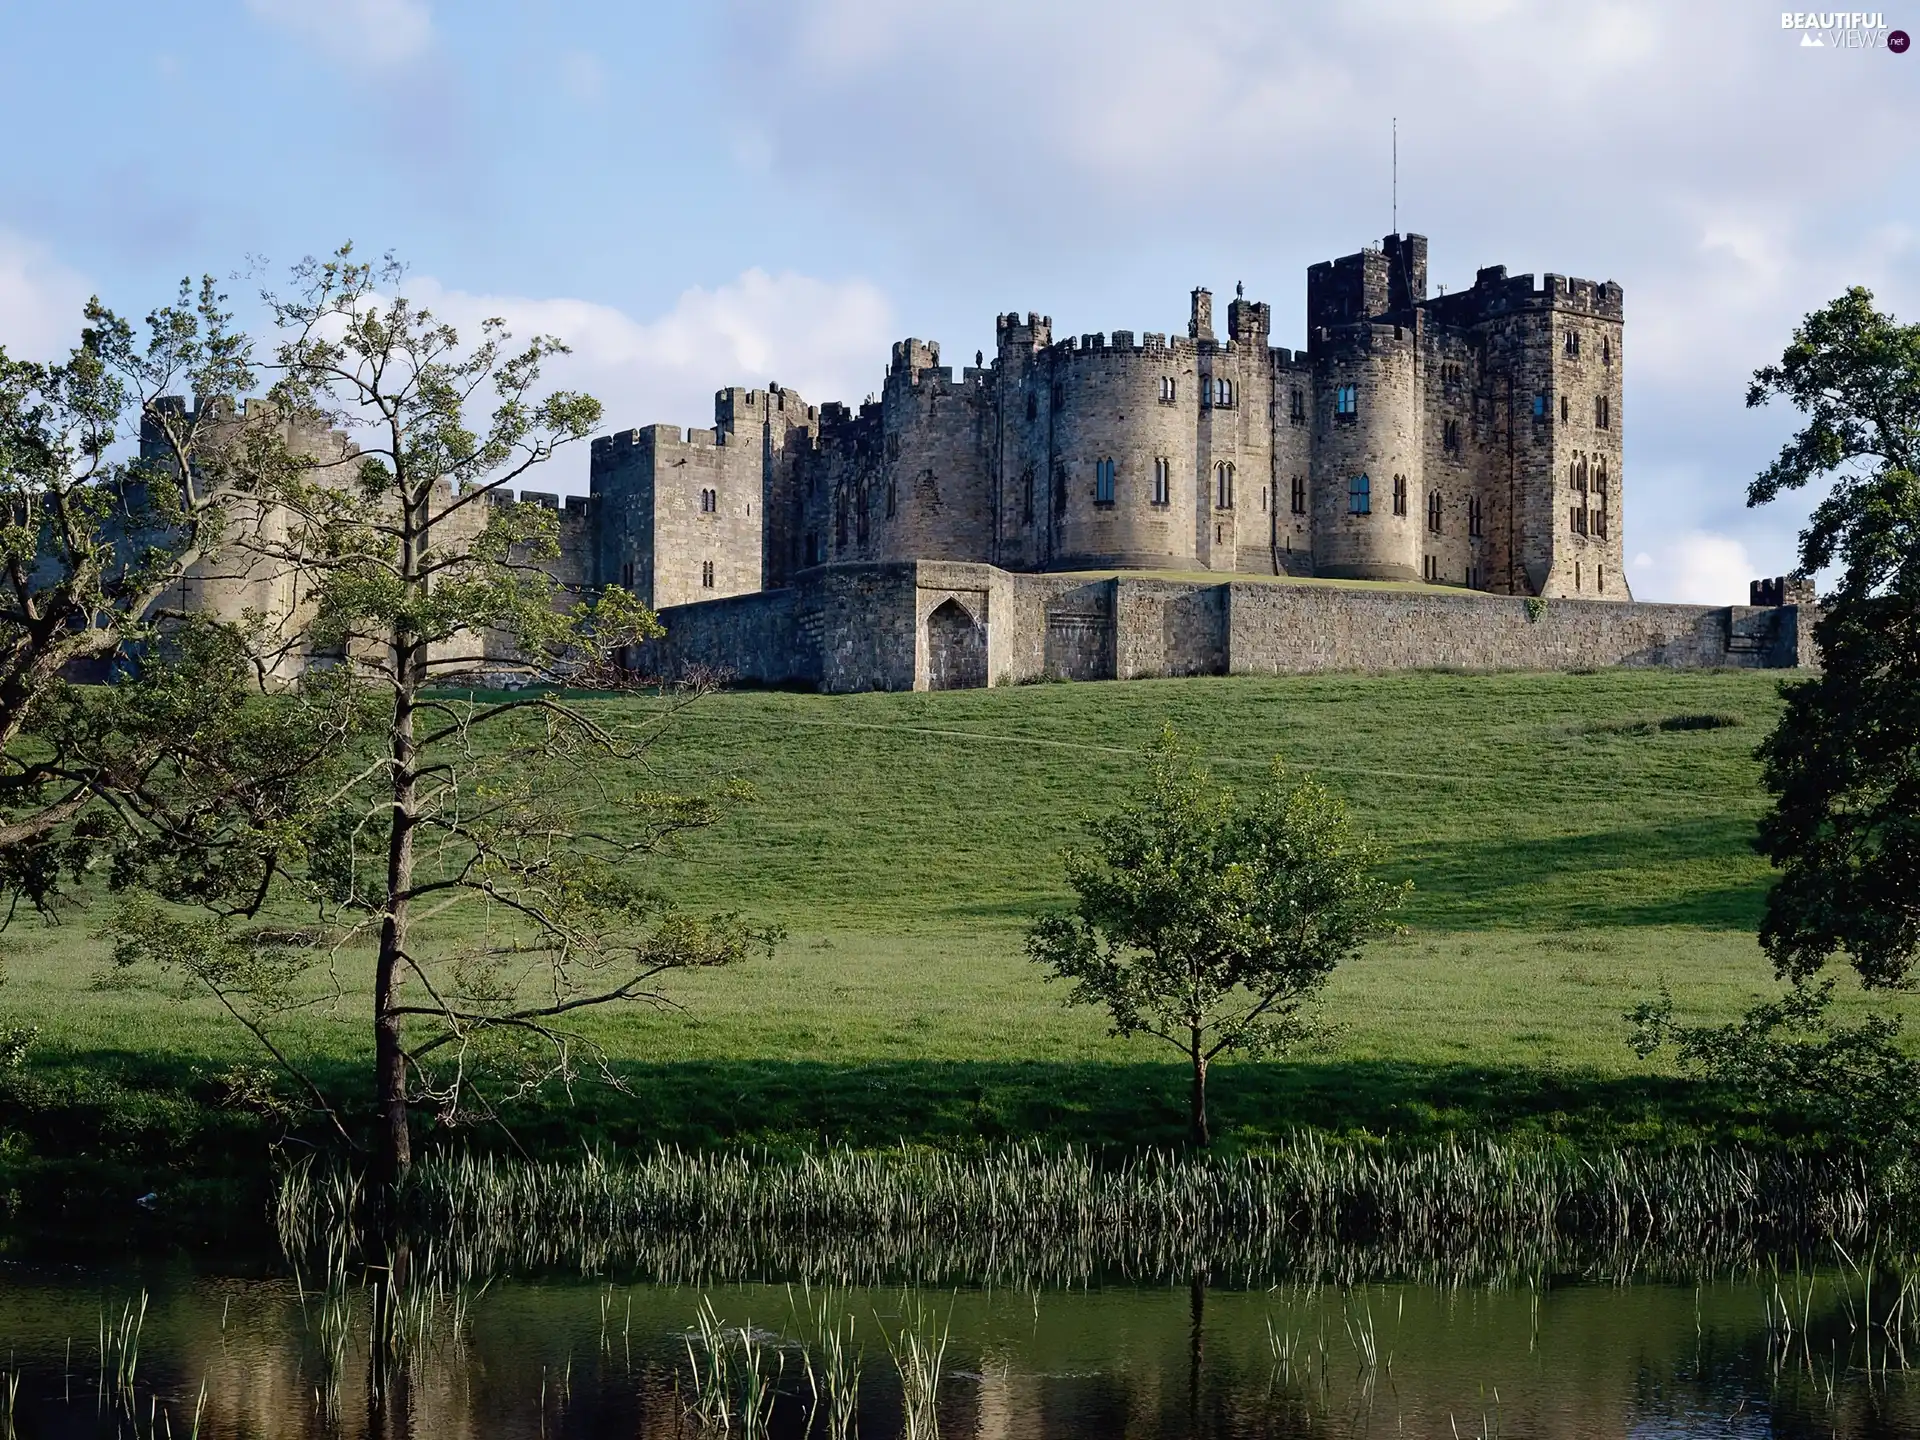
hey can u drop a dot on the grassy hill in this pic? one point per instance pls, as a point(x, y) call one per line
point(1573, 840)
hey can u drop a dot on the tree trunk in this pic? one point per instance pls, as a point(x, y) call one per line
point(393, 1147)
point(1199, 1134)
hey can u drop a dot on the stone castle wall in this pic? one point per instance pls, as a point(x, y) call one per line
point(918, 625)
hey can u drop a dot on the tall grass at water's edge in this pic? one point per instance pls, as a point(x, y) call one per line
point(1025, 1214)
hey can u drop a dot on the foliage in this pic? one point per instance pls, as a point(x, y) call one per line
point(91, 547)
point(416, 578)
point(1844, 832)
point(1209, 920)
point(1848, 1082)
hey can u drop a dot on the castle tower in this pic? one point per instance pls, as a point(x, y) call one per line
point(1368, 497)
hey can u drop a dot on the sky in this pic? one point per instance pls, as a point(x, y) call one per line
point(738, 192)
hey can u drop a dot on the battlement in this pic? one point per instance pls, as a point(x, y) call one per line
point(911, 356)
point(1035, 332)
point(1784, 590)
point(1497, 293)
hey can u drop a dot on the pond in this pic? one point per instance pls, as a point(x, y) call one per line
point(179, 1349)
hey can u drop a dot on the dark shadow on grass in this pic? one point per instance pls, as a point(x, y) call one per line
point(1111, 1106)
point(1568, 881)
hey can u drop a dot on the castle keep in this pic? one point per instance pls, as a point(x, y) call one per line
point(1469, 440)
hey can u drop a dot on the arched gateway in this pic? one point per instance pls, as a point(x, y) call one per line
point(956, 649)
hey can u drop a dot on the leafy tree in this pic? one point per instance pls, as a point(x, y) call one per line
point(449, 840)
point(1209, 918)
point(92, 540)
point(1843, 764)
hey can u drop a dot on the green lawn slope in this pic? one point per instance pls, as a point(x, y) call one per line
point(1574, 840)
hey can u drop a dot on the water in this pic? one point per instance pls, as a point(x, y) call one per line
point(1563, 1356)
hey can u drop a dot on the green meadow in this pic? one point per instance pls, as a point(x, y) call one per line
point(1573, 840)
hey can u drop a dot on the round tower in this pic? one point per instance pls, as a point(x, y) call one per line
point(1368, 497)
point(1123, 452)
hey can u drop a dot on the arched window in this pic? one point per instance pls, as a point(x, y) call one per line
point(1360, 496)
point(1026, 496)
point(893, 498)
point(1163, 481)
point(1346, 404)
point(1222, 393)
point(1433, 511)
point(1167, 389)
point(1399, 494)
point(709, 501)
point(1223, 485)
point(706, 575)
point(1103, 482)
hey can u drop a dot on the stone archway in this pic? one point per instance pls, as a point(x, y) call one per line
point(956, 649)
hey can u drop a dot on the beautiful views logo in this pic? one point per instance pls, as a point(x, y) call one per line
point(1844, 30)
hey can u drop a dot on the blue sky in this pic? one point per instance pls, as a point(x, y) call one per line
point(709, 194)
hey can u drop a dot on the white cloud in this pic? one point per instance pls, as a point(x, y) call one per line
point(381, 33)
point(1700, 568)
point(826, 339)
point(40, 301)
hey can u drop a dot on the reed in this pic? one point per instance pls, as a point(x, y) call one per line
point(919, 1351)
point(1031, 1216)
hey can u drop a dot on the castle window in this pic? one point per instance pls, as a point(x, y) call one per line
point(1167, 389)
point(1263, 499)
point(813, 548)
point(1033, 405)
point(1602, 414)
point(1473, 517)
point(893, 498)
point(1606, 350)
point(1299, 495)
point(1060, 488)
point(1572, 346)
point(1359, 496)
point(862, 519)
point(1103, 482)
point(1576, 576)
point(1059, 396)
point(1430, 568)
point(1577, 519)
point(893, 447)
point(706, 575)
point(1540, 406)
point(1399, 494)
point(1297, 407)
point(1600, 578)
point(1222, 393)
point(1433, 511)
point(840, 524)
point(709, 501)
point(1566, 406)
point(1026, 496)
point(1346, 406)
point(1223, 486)
point(1450, 437)
point(626, 576)
point(1163, 481)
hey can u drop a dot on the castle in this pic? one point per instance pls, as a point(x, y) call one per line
point(1142, 505)
point(1469, 440)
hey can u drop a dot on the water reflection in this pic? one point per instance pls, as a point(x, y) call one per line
point(1560, 1357)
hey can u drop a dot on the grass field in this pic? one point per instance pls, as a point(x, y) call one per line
point(1568, 854)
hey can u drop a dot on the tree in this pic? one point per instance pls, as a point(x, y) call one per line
point(1843, 765)
point(1211, 919)
point(451, 841)
point(91, 542)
